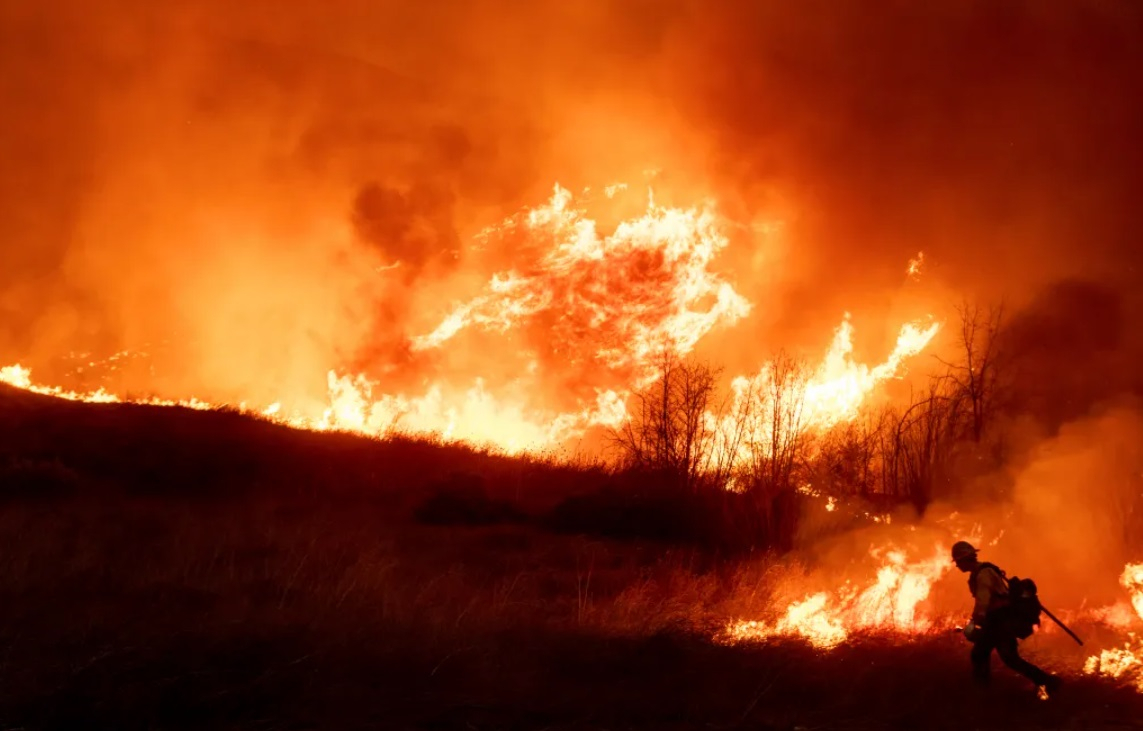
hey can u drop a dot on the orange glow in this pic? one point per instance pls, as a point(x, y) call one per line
point(915, 265)
point(839, 387)
point(891, 602)
point(451, 222)
point(832, 394)
point(1124, 663)
point(602, 282)
point(610, 302)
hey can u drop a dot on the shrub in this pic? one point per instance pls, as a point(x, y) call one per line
point(23, 478)
point(460, 499)
point(651, 506)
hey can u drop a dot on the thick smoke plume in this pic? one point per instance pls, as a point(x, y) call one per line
point(1077, 507)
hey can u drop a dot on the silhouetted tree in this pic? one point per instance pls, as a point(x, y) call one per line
point(669, 430)
point(978, 372)
point(847, 457)
point(774, 441)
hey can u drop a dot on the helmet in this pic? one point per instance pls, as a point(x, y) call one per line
point(963, 550)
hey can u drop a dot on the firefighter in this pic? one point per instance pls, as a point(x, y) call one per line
point(991, 626)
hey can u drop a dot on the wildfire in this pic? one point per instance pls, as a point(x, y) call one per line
point(889, 603)
point(607, 304)
point(839, 387)
point(620, 299)
point(782, 401)
point(1124, 663)
point(21, 377)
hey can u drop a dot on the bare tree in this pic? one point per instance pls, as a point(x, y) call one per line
point(978, 372)
point(773, 413)
point(847, 458)
point(669, 429)
point(918, 452)
point(774, 439)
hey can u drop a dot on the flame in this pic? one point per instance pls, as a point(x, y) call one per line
point(474, 414)
point(1132, 581)
point(1120, 663)
point(915, 264)
point(1124, 663)
point(21, 377)
point(831, 395)
point(889, 603)
point(609, 303)
point(809, 618)
point(621, 298)
point(839, 386)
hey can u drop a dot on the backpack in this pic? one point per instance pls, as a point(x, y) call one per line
point(1022, 615)
point(1025, 606)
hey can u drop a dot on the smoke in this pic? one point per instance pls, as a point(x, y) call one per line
point(1076, 506)
point(1066, 510)
point(995, 136)
point(264, 192)
point(1072, 347)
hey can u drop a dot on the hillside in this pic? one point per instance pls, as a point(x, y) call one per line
point(129, 449)
point(174, 569)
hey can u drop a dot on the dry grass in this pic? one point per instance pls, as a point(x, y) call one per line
point(129, 599)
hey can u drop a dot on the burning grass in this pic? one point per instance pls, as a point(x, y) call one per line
point(139, 613)
point(888, 604)
point(248, 616)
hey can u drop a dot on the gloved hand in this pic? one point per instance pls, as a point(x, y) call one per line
point(971, 631)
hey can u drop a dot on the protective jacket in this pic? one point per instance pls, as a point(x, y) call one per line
point(989, 589)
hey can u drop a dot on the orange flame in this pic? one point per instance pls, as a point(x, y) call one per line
point(839, 387)
point(915, 265)
point(890, 603)
point(1132, 581)
point(831, 395)
point(1124, 663)
point(610, 302)
point(21, 377)
point(635, 290)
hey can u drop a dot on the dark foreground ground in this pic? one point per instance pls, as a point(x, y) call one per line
point(170, 570)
